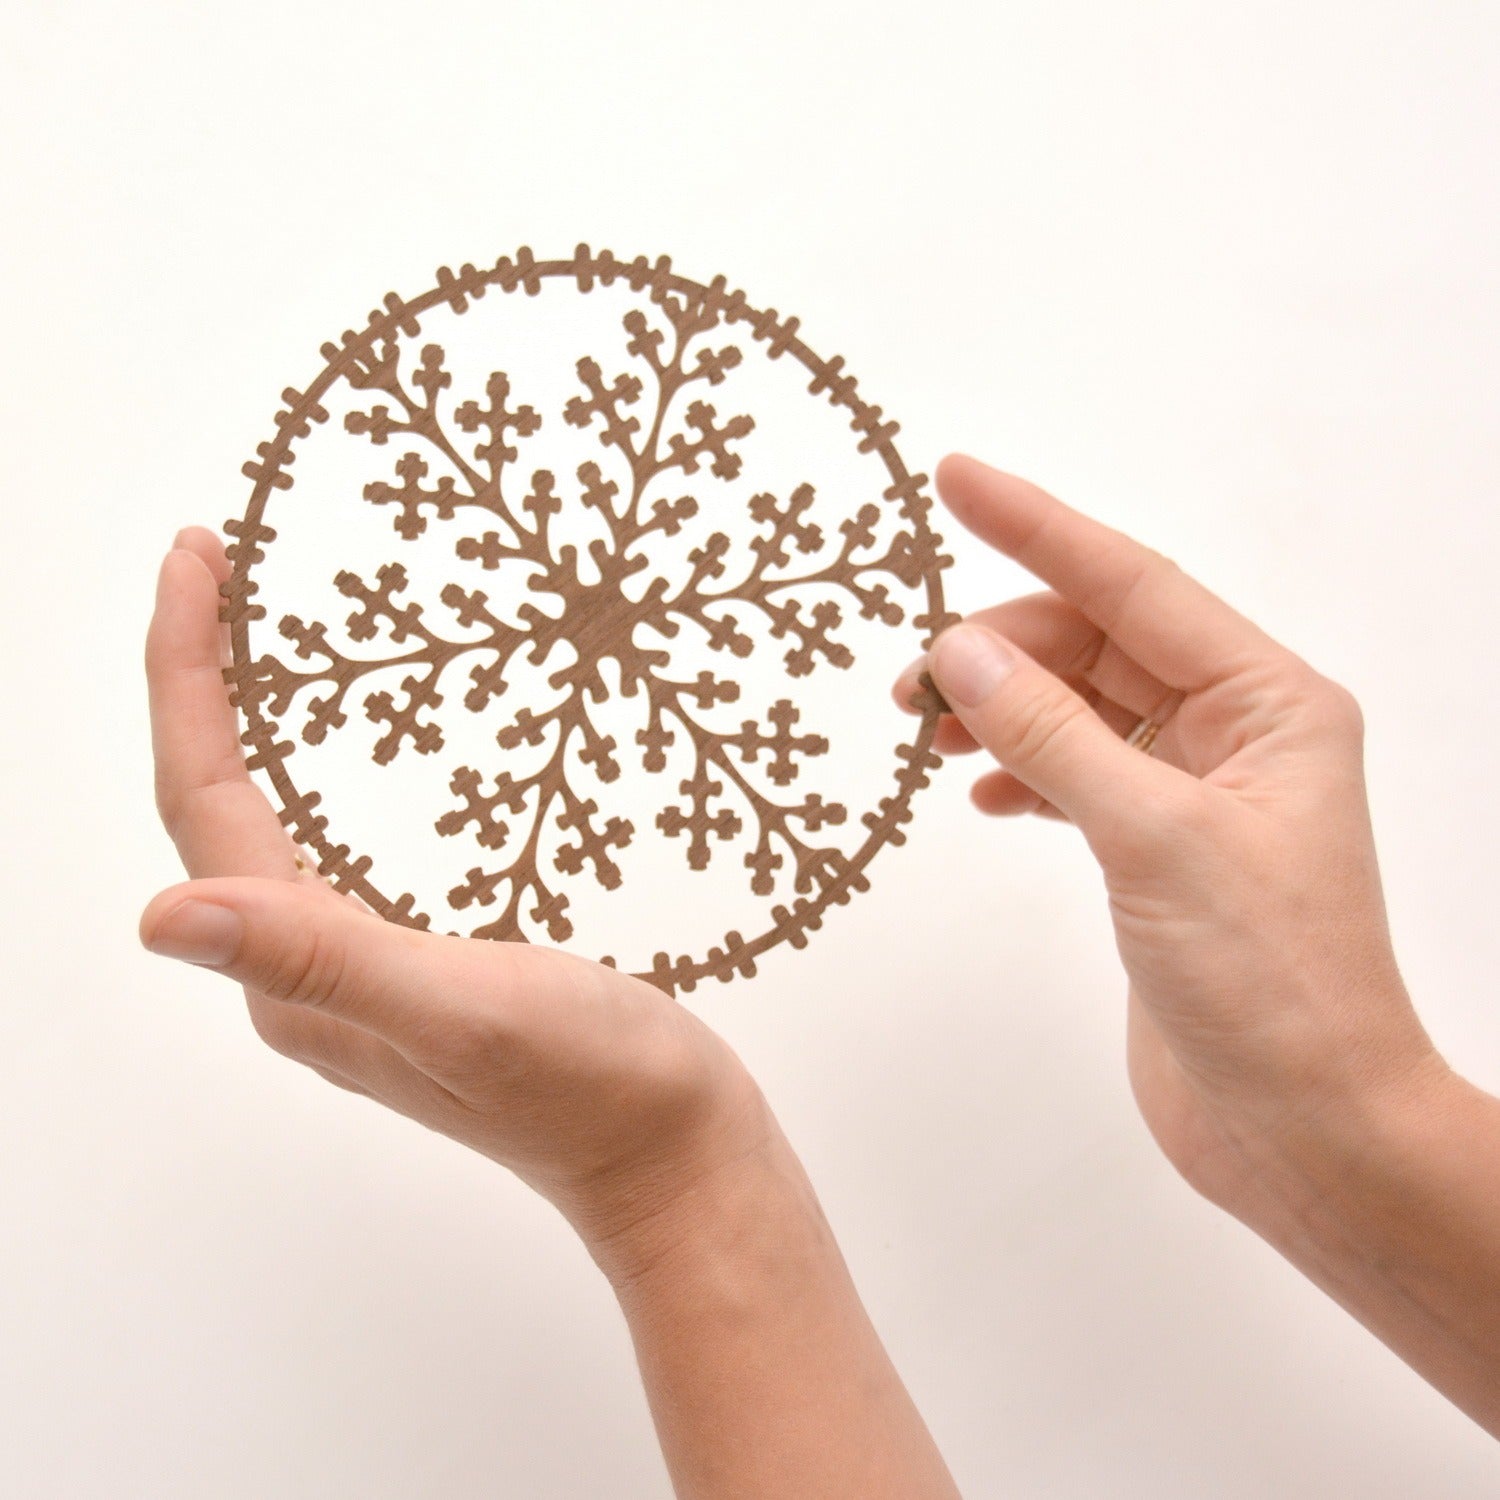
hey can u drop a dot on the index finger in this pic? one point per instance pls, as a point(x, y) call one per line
point(1168, 622)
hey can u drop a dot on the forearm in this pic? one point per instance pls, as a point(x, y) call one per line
point(764, 1373)
point(1394, 1210)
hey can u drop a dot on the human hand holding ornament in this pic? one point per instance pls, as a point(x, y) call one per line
point(603, 1093)
point(591, 1085)
point(1272, 1047)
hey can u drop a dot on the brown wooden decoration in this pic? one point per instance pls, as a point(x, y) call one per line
point(448, 475)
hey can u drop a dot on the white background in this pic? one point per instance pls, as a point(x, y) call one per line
point(1227, 276)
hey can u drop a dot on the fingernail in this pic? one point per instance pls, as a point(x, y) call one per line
point(198, 933)
point(970, 662)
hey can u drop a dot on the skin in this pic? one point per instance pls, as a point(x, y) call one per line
point(1272, 1047)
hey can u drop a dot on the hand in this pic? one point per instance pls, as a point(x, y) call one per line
point(1264, 998)
point(593, 1087)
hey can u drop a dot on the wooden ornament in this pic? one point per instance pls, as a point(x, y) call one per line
point(456, 483)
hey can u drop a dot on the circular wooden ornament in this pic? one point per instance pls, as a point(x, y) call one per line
point(604, 620)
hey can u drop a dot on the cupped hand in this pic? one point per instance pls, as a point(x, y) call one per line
point(592, 1086)
point(1264, 999)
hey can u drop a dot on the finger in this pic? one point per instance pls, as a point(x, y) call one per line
point(1115, 717)
point(469, 1015)
point(1048, 738)
point(217, 817)
point(1126, 686)
point(999, 795)
point(1042, 624)
point(1119, 691)
point(421, 992)
point(949, 737)
point(327, 959)
point(285, 988)
point(321, 1042)
point(1168, 622)
point(353, 1059)
point(1062, 639)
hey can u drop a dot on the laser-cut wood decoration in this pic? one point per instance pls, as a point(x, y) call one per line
point(457, 483)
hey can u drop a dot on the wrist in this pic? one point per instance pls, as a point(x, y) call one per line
point(748, 1205)
point(1396, 1217)
point(651, 1216)
point(1322, 1093)
point(764, 1373)
point(1318, 1182)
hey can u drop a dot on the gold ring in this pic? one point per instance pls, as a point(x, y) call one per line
point(1143, 736)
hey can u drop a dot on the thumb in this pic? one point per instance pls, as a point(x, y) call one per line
point(288, 941)
point(1046, 736)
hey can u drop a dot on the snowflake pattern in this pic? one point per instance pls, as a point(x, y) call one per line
point(794, 584)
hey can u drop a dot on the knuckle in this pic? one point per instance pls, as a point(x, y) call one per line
point(1145, 575)
point(1329, 705)
point(311, 972)
point(468, 1052)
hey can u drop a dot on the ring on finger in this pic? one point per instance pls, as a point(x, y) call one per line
point(1143, 736)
